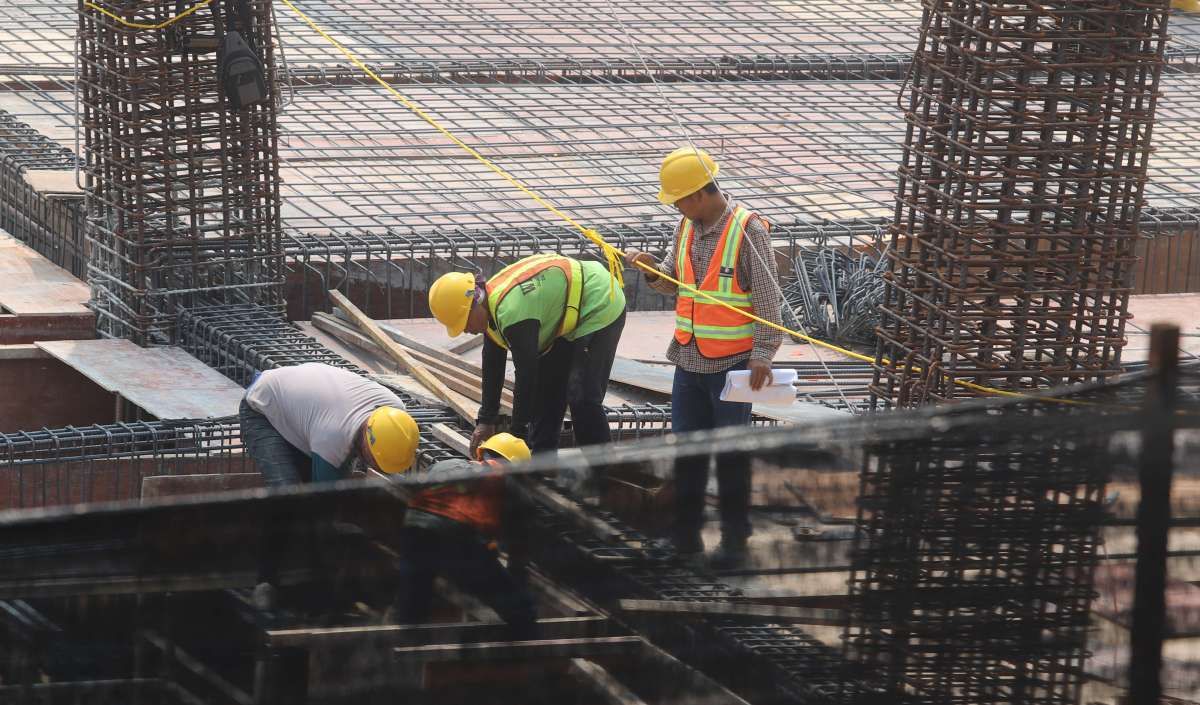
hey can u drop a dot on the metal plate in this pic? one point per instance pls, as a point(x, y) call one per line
point(30, 284)
point(166, 382)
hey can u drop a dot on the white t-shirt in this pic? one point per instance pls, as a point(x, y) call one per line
point(318, 408)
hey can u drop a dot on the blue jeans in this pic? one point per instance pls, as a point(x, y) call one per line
point(280, 462)
point(695, 406)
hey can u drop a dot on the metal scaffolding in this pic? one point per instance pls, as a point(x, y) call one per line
point(1023, 178)
point(183, 199)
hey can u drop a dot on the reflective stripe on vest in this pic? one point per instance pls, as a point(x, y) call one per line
point(515, 274)
point(718, 331)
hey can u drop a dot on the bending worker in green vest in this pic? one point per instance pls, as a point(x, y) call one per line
point(561, 319)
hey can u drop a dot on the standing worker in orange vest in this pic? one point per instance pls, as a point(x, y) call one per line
point(724, 250)
point(451, 527)
point(561, 319)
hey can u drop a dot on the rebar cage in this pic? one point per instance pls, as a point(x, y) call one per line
point(183, 198)
point(1019, 197)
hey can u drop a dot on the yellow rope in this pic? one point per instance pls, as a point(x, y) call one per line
point(139, 25)
point(611, 254)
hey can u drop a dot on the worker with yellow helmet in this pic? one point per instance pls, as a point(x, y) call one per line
point(451, 528)
point(312, 423)
point(561, 319)
point(724, 250)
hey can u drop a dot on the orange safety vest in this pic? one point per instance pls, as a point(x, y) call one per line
point(477, 503)
point(523, 270)
point(718, 331)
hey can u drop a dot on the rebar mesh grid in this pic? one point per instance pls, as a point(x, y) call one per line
point(184, 200)
point(542, 41)
point(107, 463)
point(355, 158)
point(808, 151)
point(1019, 196)
point(972, 583)
point(50, 224)
point(973, 567)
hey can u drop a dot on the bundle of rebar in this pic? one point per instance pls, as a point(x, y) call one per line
point(833, 295)
point(183, 200)
point(1020, 190)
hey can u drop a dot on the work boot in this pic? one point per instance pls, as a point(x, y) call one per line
point(731, 553)
point(689, 552)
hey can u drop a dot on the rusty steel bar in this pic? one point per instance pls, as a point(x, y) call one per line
point(183, 204)
point(1019, 197)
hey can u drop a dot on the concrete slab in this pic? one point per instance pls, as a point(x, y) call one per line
point(166, 382)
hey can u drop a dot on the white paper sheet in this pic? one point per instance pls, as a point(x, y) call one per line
point(778, 393)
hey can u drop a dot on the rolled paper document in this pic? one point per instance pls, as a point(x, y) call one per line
point(778, 393)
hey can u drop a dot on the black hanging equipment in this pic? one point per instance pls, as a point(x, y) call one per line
point(239, 69)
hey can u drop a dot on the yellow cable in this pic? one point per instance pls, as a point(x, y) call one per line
point(611, 254)
point(139, 25)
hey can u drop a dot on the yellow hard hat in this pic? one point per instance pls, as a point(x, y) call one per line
point(505, 444)
point(684, 172)
point(450, 300)
point(392, 436)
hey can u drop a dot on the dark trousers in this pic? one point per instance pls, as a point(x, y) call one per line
point(461, 556)
point(696, 405)
point(575, 373)
point(280, 462)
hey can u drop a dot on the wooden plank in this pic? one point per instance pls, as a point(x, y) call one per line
point(467, 345)
point(461, 370)
point(398, 353)
point(31, 284)
point(601, 683)
point(452, 437)
point(35, 327)
point(428, 634)
point(409, 341)
point(453, 376)
point(22, 351)
point(491, 651)
point(166, 382)
point(179, 485)
point(778, 613)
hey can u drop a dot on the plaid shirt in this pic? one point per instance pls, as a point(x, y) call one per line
point(762, 283)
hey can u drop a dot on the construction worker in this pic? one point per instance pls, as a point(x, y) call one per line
point(724, 250)
point(312, 423)
point(451, 528)
point(561, 319)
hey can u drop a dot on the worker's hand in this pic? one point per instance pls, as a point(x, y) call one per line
point(632, 258)
point(760, 374)
point(481, 433)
